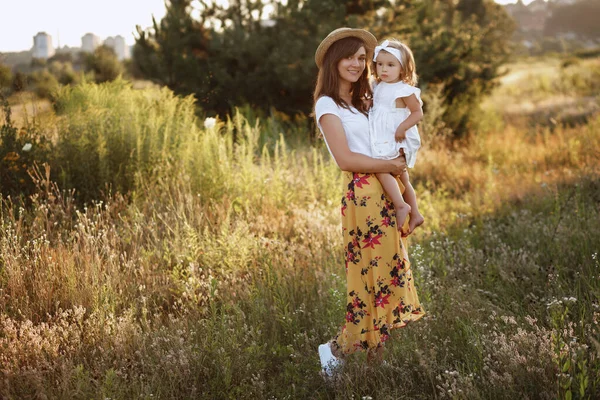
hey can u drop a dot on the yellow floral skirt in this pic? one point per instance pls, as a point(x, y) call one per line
point(380, 292)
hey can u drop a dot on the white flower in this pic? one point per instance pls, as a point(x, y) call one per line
point(210, 122)
point(27, 147)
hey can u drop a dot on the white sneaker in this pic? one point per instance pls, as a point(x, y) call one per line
point(329, 362)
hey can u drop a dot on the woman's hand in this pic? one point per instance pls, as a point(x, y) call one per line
point(398, 165)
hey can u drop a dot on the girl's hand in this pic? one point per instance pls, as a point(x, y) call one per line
point(400, 134)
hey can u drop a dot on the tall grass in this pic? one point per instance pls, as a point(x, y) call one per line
point(548, 93)
point(212, 268)
point(115, 135)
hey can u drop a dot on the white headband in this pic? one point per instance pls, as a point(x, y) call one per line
point(393, 51)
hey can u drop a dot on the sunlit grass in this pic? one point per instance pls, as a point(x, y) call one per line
point(220, 271)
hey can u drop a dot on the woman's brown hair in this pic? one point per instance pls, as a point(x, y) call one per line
point(328, 80)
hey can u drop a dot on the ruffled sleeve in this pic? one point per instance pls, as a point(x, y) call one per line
point(405, 90)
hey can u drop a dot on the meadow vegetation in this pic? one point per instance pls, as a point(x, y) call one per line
point(157, 255)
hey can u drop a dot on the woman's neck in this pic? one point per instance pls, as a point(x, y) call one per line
point(344, 92)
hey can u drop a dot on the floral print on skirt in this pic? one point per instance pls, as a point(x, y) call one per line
point(380, 289)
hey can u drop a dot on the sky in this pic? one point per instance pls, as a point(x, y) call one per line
point(68, 20)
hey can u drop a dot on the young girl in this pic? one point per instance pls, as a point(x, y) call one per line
point(392, 124)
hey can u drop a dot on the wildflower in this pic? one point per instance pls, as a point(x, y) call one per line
point(210, 122)
point(27, 147)
point(554, 302)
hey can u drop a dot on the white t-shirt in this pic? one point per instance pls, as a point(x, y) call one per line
point(355, 123)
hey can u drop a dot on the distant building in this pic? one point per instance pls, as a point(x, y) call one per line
point(89, 42)
point(119, 46)
point(42, 46)
point(109, 42)
point(529, 18)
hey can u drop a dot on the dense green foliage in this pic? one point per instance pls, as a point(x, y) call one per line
point(234, 55)
point(113, 138)
point(20, 150)
point(103, 63)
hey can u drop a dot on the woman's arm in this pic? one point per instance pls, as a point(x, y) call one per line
point(346, 159)
point(416, 114)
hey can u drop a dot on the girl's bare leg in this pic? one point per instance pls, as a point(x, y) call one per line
point(416, 219)
point(390, 185)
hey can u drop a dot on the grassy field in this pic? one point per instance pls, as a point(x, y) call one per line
point(221, 270)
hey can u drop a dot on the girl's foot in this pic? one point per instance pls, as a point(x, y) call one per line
point(416, 220)
point(402, 212)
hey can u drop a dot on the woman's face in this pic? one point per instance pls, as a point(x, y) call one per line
point(351, 68)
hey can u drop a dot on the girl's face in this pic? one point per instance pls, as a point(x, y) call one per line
point(388, 67)
point(351, 68)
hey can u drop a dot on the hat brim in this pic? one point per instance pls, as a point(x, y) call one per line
point(341, 33)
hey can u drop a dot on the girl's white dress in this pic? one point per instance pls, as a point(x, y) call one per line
point(384, 118)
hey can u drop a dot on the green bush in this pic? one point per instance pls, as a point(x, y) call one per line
point(588, 53)
point(20, 151)
point(19, 82)
point(103, 64)
point(6, 76)
point(46, 85)
point(113, 135)
point(64, 73)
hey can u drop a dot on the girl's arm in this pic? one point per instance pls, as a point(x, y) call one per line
point(416, 115)
point(346, 159)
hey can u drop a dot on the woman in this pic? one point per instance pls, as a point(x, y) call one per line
point(380, 291)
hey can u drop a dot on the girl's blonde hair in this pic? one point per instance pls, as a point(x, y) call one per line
point(408, 68)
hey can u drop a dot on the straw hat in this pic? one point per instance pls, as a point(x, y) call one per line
point(340, 33)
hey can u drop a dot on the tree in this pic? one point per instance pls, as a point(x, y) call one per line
point(63, 71)
point(233, 55)
point(104, 64)
point(236, 54)
point(45, 83)
point(458, 46)
point(175, 51)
